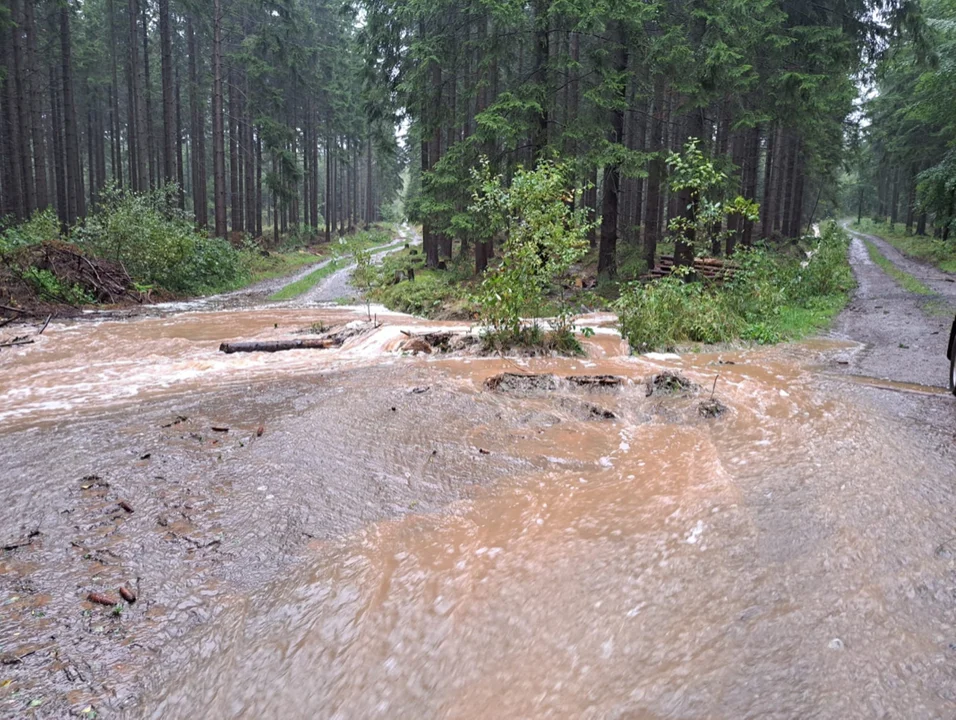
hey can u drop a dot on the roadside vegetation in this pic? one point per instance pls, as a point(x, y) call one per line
point(771, 297)
point(933, 250)
point(140, 246)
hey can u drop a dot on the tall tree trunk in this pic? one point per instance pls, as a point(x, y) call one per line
point(36, 108)
point(76, 205)
point(139, 179)
point(607, 250)
point(752, 165)
point(235, 213)
point(249, 161)
point(116, 148)
point(655, 175)
point(218, 129)
point(59, 155)
point(910, 197)
point(23, 94)
point(770, 170)
point(169, 100)
point(539, 136)
point(258, 183)
point(368, 182)
point(197, 132)
point(180, 167)
point(152, 160)
point(13, 168)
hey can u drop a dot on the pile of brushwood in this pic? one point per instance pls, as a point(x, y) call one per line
point(133, 248)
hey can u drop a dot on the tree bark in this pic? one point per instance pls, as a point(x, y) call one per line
point(76, 204)
point(169, 100)
point(36, 108)
point(655, 176)
point(152, 160)
point(235, 212)
point(218, 129)
point(607, 249)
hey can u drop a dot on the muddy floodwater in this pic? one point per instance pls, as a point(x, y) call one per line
point(365, 533)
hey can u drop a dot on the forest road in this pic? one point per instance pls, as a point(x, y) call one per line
point(903, 334)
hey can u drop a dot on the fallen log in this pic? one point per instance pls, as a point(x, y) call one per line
point(278, 345)
point(16, 343)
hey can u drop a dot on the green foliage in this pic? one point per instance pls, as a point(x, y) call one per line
point(41, 227)
point(693, 171)
point(49, 287)
point(157, 244)
point(544, 237)
point(769, 299)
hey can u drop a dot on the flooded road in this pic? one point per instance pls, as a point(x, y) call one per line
point(368, 533)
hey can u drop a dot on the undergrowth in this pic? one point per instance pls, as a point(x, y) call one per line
point(771, 298)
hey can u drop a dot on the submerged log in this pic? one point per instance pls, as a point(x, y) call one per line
point(279, 345)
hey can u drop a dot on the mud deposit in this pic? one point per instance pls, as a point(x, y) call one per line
point(362, 532)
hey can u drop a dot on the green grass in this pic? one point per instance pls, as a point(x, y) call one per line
point(796, 322)
point(903, 279)
point(922, 247)
point(259, 267)
point(303, 285)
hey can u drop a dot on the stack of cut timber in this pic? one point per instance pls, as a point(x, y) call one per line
point(710, 268)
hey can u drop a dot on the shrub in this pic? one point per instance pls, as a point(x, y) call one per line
point(543, 238)
point(42, 227)
point(758, 305)
point(157, 244)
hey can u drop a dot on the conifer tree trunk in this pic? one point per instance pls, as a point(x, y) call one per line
point(36, 107)
point(76, 204)
point(249, 161)
point(116, 157)
point(750, 179)
point(169, 107)
point(13, 170)
point(218, 129)
point(178, 155)
point(607, 250)
point(152, 160)
point(197, 132)
point(59, 155)
point(655, 175)
point(22, 106)
point(235, 211)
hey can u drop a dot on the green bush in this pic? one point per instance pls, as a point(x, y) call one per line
point(157, 244)
point(544, 237)
point(769, 299)
point(42, 227)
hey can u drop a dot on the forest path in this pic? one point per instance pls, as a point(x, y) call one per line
point(904, 334)
point(339, 286)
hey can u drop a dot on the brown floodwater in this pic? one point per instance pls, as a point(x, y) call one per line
point(402, 541)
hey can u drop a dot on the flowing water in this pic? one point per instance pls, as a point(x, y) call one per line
point(381, 535)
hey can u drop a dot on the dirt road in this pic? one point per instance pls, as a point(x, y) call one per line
point(903, 334)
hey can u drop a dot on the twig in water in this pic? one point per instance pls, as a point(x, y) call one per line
point(714, 388)
point(48, 318)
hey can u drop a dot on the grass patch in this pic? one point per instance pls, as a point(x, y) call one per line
point(303, 285)
point(922, 247)
point(261, 267)
point(903, 279)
